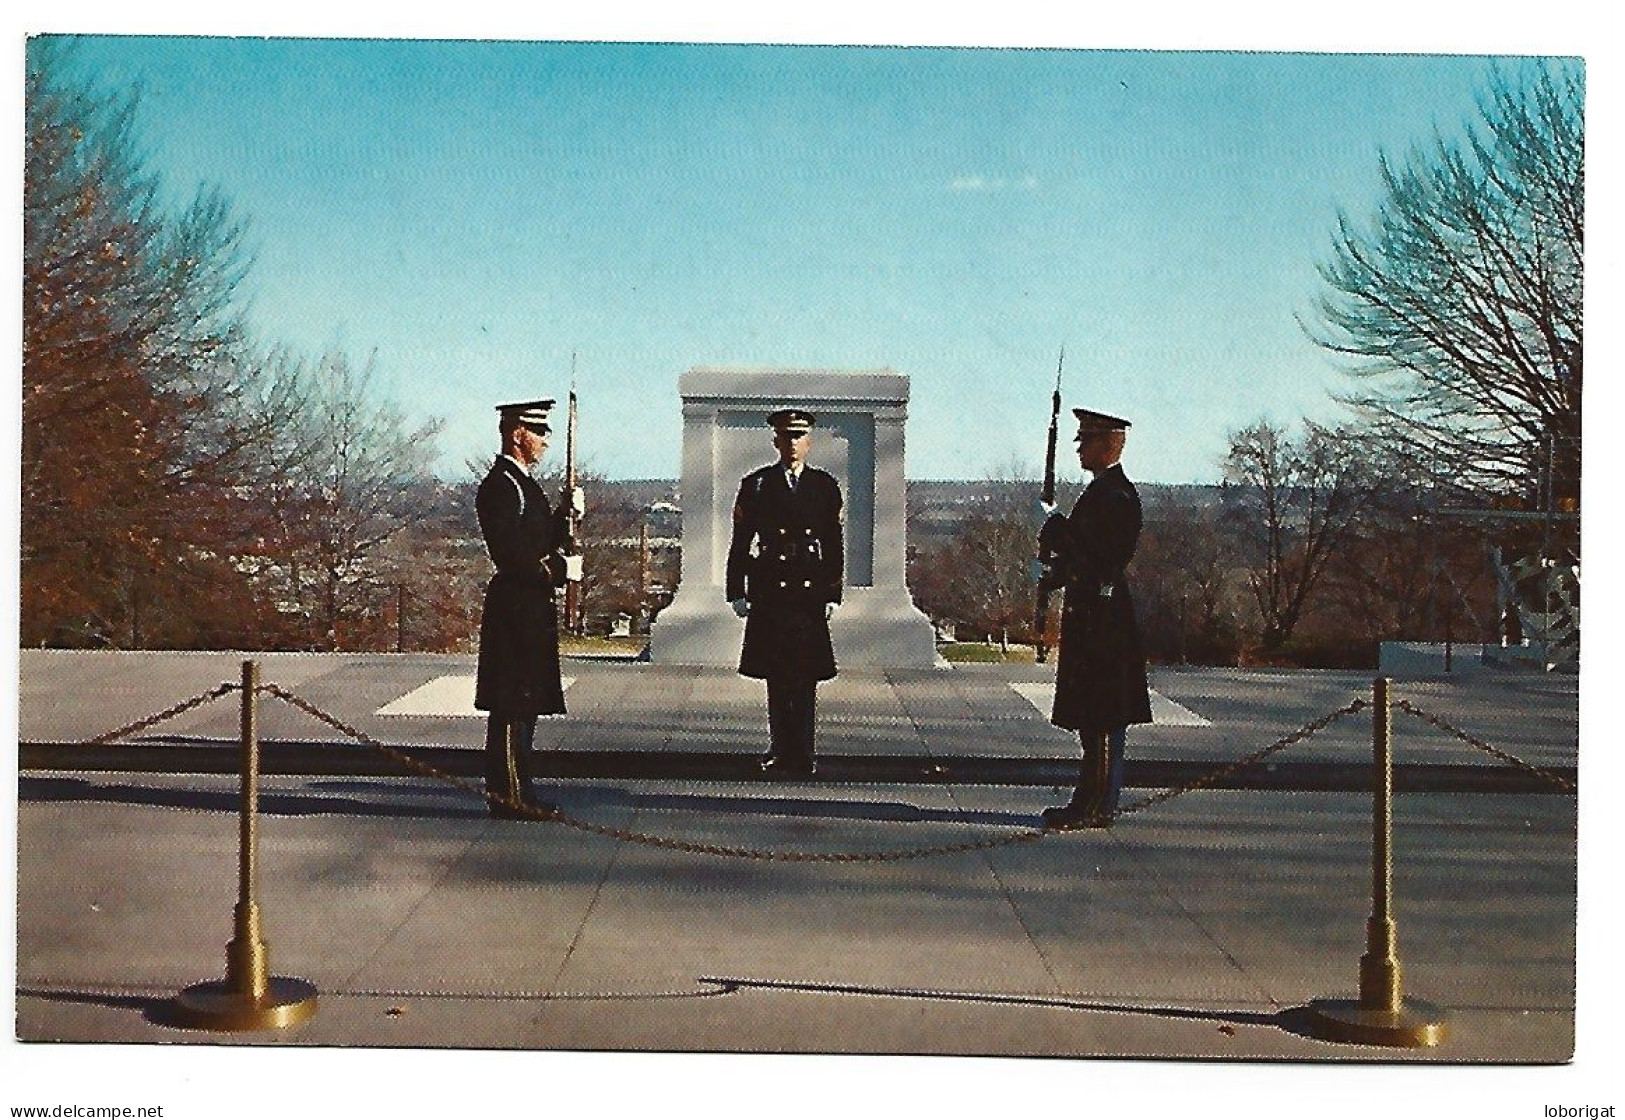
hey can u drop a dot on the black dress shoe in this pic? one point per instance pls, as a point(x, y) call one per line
point(1065, 818)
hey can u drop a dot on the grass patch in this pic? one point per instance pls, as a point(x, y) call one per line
point(985, 653)
point(623, 647)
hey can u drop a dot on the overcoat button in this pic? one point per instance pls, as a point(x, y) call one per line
point(806, 583)
point(783, 584)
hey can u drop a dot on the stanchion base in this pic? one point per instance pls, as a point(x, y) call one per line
point(216, 1006)
point(1414, 1025)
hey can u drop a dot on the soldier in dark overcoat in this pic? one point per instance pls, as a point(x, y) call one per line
point(528, 541)
point(786, 568)
point(1100, 679)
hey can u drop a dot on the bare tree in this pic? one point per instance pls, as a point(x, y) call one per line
point(1460, 305)
point(426, 579)
point(609, 545)
point(1184, 586)
point(973, 566)
point(989, 559)
point(351, 475)
point(989, 581)
point(1291, 505)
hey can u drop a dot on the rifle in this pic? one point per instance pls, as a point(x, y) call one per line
point(572, 589)
point(1046, 557)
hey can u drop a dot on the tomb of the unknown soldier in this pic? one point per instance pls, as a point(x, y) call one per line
point(860, 440)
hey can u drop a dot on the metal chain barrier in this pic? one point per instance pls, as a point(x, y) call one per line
point(629, 835)
point(1019, 836)
point(1280, 744)
point(168, 713)
point(1511, 759)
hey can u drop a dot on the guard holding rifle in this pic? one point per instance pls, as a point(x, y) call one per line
point(1100, 681)
point(786, 568)
point(531, 546)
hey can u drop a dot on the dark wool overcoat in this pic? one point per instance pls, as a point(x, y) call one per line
point(1100, 682)
point(518, 671)
point(788, 557)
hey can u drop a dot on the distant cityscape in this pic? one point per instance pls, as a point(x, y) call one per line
point(935, 506)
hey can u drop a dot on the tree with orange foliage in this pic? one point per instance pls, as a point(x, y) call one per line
point(141, 402)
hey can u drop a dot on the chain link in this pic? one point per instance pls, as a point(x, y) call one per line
point(168, 713)
point(1280, 744)
point(1019, 836)
point(627, 835)
point(1511, 759)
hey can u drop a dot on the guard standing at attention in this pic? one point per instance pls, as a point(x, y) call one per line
point(1100, 681)
point(518, 674)
point(786, 568)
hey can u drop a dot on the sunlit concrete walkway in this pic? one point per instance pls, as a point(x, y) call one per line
point(1194, 928)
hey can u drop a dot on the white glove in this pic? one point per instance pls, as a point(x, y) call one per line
point(741, 607)
point(1042, 512)
point(576, 499)
point(572, 568)
point(829, 610)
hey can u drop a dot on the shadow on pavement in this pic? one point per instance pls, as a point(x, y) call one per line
point(158, 1010)
point(1291, 1020)
point(334, 799)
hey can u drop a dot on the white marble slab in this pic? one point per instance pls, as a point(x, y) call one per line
point(1164, 711)
point(443, 696)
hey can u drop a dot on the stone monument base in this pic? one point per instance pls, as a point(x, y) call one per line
point(873, 628)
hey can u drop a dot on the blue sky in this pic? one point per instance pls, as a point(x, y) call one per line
point(475, 212)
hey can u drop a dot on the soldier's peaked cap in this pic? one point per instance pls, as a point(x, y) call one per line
point(532, 414)
point(796, 421)
point(1091, 421)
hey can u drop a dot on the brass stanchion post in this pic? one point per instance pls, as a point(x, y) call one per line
point(249, 998)
point(1382, 1016)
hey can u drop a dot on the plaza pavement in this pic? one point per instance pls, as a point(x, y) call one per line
point(1194, 928)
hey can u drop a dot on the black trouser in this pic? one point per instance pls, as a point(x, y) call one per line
point(510, 757)
point(791, 703)
point(1100, 777)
